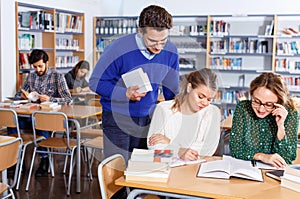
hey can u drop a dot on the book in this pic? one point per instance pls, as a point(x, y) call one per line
point(29, 106)
point(180, 162)
point(50, 106)
point(290, 184)
point(147, 171)
point(293, 170)
point(139, 78)
point(275, 174)
point(230, 167)
point(157, 155)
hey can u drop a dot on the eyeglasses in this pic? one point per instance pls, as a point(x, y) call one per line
point(152, 43)
point(268, 105)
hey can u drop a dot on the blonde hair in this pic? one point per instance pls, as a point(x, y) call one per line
point(276, 84)
point(203, 76)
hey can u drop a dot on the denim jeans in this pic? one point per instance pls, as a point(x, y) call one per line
point(26, 123)
point(123, 133)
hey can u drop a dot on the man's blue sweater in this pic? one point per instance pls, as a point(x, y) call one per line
point(122, 56)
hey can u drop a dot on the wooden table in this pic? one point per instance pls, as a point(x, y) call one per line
point(183, 180)
point(74, 113)
point(3, 139)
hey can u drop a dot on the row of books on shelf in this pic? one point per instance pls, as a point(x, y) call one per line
point(116, 26)
point(240, 46)
point(230, 96)
point(288, 48)
point(35, 20)
point(226, 63)
point(66, 61)
point(23, 60)
point(69, 23)
point(292, 81)
point(64, 43)
point(248, 46)
point(219, 28)
point(287, 65)
point(190, 30)
point(26, 41)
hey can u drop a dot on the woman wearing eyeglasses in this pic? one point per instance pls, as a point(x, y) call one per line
point(265, 128)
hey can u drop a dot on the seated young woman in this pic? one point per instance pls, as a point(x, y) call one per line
point(265, 128)
point(189, 123)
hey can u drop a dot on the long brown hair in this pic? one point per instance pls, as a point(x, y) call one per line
point(276, 84)
point(81, 65)
point(203, 76)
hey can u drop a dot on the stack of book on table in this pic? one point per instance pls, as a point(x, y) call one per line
point(291, 177)
point(48, 106)
point(149, 165)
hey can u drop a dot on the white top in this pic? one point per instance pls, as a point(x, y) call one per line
point(199, 131)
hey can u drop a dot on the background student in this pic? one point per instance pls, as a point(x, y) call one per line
point(50, 86)
point(76, 77)
point(126, 112)
point(189, 123)
point(265, 128)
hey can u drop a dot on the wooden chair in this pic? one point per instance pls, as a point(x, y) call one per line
point(55, 122)
point(9, 118)
point(9, 156)
point(93, 144)
point(109, 170)
point(112, 168)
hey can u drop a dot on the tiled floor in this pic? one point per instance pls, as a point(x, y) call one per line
point(48, 187)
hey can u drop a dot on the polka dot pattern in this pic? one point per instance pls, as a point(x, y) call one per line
point(250, 134)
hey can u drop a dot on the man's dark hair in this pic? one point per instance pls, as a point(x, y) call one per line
point(155, 17)
point(36, 55)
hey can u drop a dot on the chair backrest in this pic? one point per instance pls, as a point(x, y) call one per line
point(50, 121)
point(109, 170)
point(9, 118)
point(9, 153)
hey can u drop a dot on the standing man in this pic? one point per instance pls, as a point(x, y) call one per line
point(50, 86)
point(126, 112)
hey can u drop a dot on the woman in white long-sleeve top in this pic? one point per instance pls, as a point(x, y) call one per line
point(189, 123)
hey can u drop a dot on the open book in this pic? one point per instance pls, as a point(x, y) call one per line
point(230, 167)
point(139, 78)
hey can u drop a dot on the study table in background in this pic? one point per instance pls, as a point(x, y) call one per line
point(4, 139)
point(183, 180)
point(74, 113)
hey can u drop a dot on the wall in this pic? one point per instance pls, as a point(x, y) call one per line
point(120, 7)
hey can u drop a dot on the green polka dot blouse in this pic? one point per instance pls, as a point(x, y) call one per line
point(251, 135)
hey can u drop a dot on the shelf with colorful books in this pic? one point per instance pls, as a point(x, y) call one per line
point(59, 32)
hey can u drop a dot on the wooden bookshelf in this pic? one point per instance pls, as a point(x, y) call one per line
point(59, 32)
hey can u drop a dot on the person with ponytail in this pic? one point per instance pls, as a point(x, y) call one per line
point(190, 124)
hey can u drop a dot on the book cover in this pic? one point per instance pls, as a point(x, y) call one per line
point(275, 174)
point(293, 170)
point(139, 78)
point(295, 186)
point(229, 167)
point(165, 155)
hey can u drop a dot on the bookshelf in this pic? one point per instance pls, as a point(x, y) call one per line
point(231, 45)
point(59, 32)
point(107, 29)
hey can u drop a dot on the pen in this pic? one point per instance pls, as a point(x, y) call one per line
point(253, 162)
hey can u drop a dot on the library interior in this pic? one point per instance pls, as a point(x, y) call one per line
point(219, 118)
